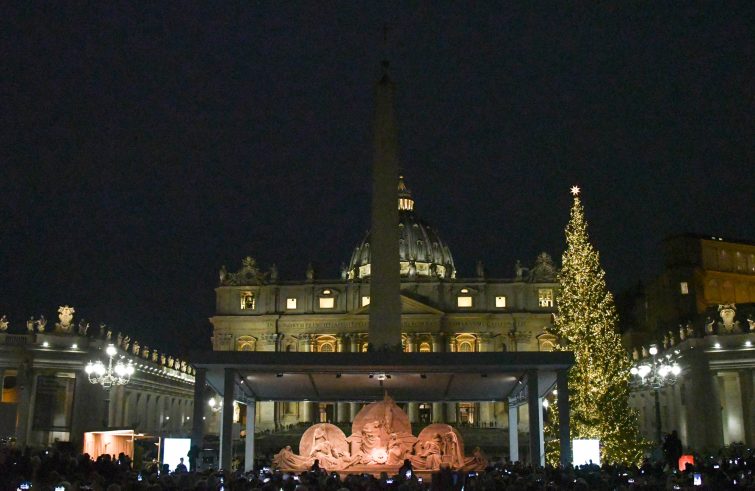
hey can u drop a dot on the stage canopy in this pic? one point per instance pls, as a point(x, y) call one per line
point(515, 377)
point(276, 376)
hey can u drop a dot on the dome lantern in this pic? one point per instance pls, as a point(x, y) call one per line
point(422, 253)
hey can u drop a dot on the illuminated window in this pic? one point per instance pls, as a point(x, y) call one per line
point(327, 302)
point(291, 303)
point(365, 300)
point(546, 342)
point(325, 344)
point(545, 297)
point(247, 301)
point(464, 301)
point(684, 288)
point(465, 343)
point(425, 347)
point(467, 412)
point(500, 302)
point(326, 292)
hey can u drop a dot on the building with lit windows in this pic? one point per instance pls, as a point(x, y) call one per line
point(700, 311)
point(441, 312)
point(47, 397)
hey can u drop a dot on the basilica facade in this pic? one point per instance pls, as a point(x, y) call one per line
point(441, 312)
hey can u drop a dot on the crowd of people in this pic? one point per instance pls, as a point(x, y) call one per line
point(51, 470)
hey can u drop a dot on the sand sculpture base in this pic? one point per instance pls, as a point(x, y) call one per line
point(381, 440)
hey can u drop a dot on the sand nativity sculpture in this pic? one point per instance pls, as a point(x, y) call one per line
point(381, 439)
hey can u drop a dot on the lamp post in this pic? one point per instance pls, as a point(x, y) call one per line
point(109, 376)
point(215, 405)
point(655, 374)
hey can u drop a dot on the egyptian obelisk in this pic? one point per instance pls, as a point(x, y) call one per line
point(385, 279)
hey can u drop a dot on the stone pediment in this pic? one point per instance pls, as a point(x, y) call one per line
point(408, 306)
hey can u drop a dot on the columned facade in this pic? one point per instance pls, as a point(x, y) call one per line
point(48, 397)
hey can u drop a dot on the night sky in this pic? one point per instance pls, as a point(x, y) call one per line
point(145, 144)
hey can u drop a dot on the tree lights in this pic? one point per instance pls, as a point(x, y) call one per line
point(586, 325)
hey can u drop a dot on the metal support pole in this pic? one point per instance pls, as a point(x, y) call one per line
point(513, 432)
point(197, 423)
point(535, 413)
point(226, 425)
point(658, 436)
point(106, 412)
point(564, 442)
point(251, 415)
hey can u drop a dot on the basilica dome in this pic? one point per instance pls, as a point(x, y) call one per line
point(422, 253)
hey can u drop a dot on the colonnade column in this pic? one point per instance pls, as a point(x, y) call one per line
point(437, 342)
point(487, 409)
point(307, 408)
point(748, 402)
point(451, 412)
point(513, 432)
point(26, 405)
point(197, 416)
point(412, 411)
point(251, 414)
point(564, 439)
point(536, 417)
point(438, 412)
point(343, 413)
point(704, 426)
point(411, 343)
point(226, 425)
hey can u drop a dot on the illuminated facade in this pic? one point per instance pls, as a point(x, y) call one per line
point(702, 310)
point(256, 311)
point(47, 396)
point(701, 272)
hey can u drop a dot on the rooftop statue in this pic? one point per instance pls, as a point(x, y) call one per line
point(65, 315)
point(41, 323)
point(729, 325)
point(249, 274)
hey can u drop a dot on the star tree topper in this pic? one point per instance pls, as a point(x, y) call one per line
point(575, 190)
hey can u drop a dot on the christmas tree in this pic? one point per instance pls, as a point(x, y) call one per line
point(585, 324)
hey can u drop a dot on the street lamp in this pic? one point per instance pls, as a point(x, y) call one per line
point(655, 374)
point(215, 405)
point(120, 374)
point(107, 377)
